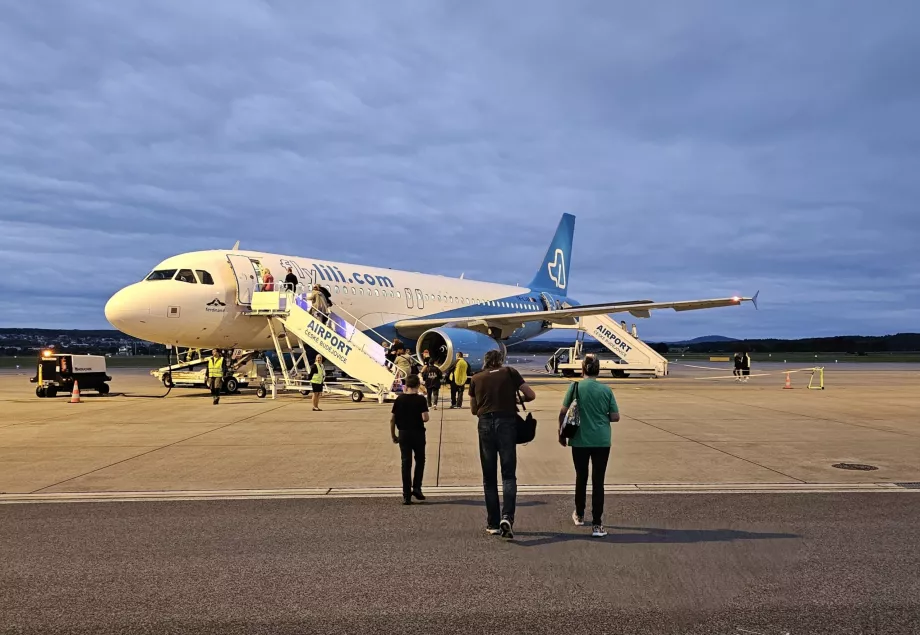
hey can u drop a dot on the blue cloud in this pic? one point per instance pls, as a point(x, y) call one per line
point(707, 149)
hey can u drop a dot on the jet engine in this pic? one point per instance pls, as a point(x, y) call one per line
point(443, 344)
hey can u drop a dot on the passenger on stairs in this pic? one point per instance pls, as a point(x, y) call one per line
point(318, 305)
point(393, 351)
point(623, 325)
point(635, 331)
point(317, 375)
point(403, 364)
point(290, 280)
point(268, 280)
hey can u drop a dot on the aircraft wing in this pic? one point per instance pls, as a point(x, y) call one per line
point(566, 315)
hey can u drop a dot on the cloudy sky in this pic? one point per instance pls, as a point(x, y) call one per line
point(707, 149)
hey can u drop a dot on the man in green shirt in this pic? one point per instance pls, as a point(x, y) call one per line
point(597, 408)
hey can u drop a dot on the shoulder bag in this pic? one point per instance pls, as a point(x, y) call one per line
point(526, 427)
point(572, 420)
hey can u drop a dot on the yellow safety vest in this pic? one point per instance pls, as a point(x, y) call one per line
point(460, 372)
point(216, 367)
point(320, 375)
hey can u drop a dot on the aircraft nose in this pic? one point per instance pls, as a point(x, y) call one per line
point(126, 310)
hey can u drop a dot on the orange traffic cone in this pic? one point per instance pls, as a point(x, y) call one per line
point(788, 385)
point(75, 395)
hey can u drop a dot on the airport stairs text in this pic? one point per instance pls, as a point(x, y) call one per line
point(638, 356)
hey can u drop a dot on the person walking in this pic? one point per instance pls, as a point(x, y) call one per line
point(493, 398)
point(635, 331)
point(317, 374)
point(291, 280)
point(403, 364)
point(745, 366)
point(409, 416)
point(591, 444)
point(432, 375)
point(216, 374)
point(457, 379)
point(739, 362)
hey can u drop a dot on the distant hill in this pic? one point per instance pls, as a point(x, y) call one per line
point(706, 339)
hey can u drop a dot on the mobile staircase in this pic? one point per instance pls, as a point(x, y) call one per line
point(636, 357)
point(339, 337)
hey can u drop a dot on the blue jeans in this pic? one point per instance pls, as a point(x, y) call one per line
point(498, 440)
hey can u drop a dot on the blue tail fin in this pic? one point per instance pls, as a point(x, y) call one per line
point(553, 274)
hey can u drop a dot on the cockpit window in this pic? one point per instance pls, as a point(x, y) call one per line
point(186, 275)
point(162, 274)
point(204, 277)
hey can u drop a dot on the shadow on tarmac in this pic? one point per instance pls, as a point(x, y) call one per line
point(478, 503)
point(645, 535)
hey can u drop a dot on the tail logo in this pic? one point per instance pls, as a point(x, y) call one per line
point(556, 269)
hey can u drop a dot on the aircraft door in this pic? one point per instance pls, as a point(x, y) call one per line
point(548, 303)
point(244, 269)
point(408, 298)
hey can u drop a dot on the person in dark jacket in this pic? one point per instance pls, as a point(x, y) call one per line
point(291, 280)
point(738, 364)
point(745, 366)
point(432, 376)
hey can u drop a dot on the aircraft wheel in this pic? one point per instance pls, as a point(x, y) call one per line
point(232, 385)
point(357, 396)
point(261, 392)
point(103, 389)
point(40, 392)
point(167, 380)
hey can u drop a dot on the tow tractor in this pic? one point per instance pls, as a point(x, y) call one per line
point(58, 372)
point(244, 368)
point(567, 362)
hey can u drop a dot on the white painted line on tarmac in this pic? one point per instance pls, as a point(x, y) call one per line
point(446, 491)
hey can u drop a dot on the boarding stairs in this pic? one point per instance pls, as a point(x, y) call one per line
point(638, 357)
point(339, 337)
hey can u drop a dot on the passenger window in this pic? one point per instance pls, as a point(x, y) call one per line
point(204, 277)
point(186, 275)
point(336, 288)
point(376, 294)
point(397, 294)
point(162, 274)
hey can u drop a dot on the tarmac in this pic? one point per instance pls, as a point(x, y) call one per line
point(725, 513)
point(695, 429)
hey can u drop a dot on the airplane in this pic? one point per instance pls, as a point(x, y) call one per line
point(202, 300)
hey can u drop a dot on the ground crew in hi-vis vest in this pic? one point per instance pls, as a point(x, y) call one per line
point(216, 374)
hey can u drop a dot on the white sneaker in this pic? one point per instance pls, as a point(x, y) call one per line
point(493, 531)
point(598, 531)
point(578, 520)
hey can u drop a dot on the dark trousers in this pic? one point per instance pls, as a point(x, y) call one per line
point(498, 441)
point(598, 458)
point(215, 384)
point(412, 442)
point(456, 394)
point(433, 395)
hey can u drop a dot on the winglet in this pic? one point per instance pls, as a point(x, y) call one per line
point(754, 299)
point(236, 245)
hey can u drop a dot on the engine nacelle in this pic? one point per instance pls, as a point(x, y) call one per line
point(443, 344)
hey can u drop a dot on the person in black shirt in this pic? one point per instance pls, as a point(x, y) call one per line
point(290, 280)
point(409, 415)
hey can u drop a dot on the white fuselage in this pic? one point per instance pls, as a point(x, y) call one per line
point(201, 315)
